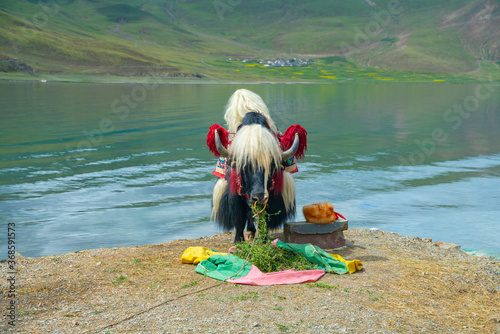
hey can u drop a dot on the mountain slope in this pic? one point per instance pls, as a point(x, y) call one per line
point(435, 36)
point(195, 38)
point(100, 38)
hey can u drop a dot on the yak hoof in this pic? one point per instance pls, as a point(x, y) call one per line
point(249, 235)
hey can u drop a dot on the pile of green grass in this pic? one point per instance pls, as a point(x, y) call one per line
point(268, 258)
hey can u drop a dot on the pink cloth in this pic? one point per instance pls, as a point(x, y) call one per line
point(256, 277)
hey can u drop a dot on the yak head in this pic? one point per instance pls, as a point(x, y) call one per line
point(255, 162)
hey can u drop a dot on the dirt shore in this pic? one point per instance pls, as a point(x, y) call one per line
point(408, 285)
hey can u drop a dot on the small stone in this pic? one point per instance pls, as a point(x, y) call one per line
point(98, 263)
point(495, 317)
point(491, 290)
point(429, 240)
point(449, 246)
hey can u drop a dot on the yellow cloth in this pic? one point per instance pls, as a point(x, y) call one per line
point(197, 254)
point(352, 266)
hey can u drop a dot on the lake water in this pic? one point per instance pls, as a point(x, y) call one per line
point(103, 165)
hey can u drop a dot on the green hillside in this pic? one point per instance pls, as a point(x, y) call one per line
point(207, 40)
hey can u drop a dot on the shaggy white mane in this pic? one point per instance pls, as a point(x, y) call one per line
point(255, 146)
point(219, 189)
point(288, 191)
point(241, 102)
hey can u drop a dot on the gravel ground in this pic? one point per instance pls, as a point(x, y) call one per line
point(408, 285)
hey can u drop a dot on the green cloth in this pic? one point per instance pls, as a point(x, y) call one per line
point(224, 267)
point(317, 256)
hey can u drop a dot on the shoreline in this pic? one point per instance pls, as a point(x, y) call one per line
point(471, 252)
point(407, 285)
point(110, 79)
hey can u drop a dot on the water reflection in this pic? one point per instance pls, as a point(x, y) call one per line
point(78, 172)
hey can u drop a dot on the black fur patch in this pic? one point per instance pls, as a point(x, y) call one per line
point(253, 117)
point(234, 212)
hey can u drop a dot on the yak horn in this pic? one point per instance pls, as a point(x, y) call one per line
point(291, 151)
point(220, 148)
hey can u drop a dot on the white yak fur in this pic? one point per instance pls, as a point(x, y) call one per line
point(288, 191)
point(219, 189)
point(256, 146)
point(241, 102)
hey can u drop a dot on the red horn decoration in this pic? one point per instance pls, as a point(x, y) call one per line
point(223, 135)
point(287, 139)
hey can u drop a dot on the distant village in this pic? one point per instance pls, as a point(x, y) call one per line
point(280, 62)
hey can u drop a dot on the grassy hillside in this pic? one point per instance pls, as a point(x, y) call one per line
point(438, 39)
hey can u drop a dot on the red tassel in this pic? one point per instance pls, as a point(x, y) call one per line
point(289, 136)
point(223, 135)
point(339, 215)
point(234, 181)
point(278, 182)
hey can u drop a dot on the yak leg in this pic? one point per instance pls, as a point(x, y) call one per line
point(240, 220)
point(250, 234)
point(232, 213)
point(239, 237)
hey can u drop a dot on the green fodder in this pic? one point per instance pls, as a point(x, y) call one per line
point(268, 258)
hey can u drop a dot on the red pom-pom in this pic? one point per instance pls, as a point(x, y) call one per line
point(223, 135)
point(289, 136)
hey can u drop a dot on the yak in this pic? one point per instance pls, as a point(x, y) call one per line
point(254, 174)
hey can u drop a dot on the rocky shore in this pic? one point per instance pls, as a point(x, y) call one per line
point(408, 285)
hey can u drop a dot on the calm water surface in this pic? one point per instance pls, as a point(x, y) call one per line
point(103, 165)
